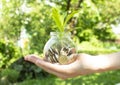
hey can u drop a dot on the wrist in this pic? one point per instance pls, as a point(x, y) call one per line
point(93, 64)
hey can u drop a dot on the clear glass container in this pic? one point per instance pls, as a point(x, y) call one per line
point(59, 48)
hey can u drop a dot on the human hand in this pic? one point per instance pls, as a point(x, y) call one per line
point(73, 69)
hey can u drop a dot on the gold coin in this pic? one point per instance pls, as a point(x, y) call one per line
point(63, 59)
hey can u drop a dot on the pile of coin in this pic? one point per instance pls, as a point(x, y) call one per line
point(62, 56)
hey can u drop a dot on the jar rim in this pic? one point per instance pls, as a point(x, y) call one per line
point(55, 33)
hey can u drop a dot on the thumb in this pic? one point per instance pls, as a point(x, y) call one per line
point(72, 58)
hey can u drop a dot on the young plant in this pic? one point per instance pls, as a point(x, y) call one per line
point(61, 20)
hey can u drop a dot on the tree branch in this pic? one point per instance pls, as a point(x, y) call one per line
point(68, 5)
point(79, 4)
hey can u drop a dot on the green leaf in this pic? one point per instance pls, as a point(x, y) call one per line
point(58, 19)
point(69, 17)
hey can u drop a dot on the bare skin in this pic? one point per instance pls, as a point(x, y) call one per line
point(84, 64)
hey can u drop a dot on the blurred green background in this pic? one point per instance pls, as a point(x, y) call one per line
point(95, 30)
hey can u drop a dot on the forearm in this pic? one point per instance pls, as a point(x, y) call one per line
point(101, 63)
point(114, 60)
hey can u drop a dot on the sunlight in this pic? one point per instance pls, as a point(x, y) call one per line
point(50, 3)
point(25, 9)
point(7, 0)
point(116, 28)
point(0, 5)
point(23, 41)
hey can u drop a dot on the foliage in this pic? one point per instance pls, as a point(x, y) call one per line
point(9, 76)
point(32, 16)
point(8, 53)
point(92, 23)
point(11, 58)
point(27, 70)
point(11, 17)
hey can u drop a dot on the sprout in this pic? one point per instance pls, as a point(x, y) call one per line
point(61, 20)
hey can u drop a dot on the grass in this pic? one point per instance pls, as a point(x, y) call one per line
point(106, 78)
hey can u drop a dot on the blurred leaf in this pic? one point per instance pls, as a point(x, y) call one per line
point(69, 16)
point(58, 19)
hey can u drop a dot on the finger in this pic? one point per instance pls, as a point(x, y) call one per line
point(59, 70)
point(32, 58)
point(72, 58)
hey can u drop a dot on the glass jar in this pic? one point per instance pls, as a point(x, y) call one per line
point(59, 48)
